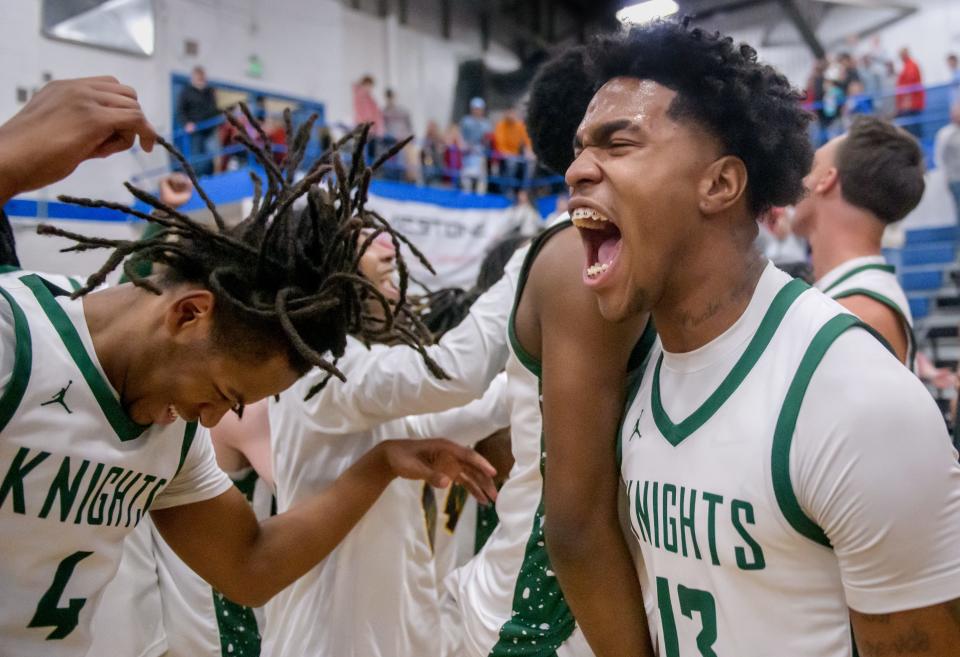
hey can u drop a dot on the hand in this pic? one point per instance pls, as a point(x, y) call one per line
point(441, 462)
point(175, 189)
point(190, 127)
point(64, 124)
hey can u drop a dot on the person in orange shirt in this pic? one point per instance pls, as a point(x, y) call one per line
point(512, 144)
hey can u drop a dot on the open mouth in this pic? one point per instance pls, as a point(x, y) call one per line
point(601, 241)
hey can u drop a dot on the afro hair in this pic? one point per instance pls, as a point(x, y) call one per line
point(559, 96)
point(749, 107)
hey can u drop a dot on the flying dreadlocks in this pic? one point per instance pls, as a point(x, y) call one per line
point(280, 273)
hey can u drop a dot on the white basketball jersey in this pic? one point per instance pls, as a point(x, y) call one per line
point(375, 594)
point(77, 474)
point(872, 277)
point(508, 595)
point(731, 562)
point(200, 621)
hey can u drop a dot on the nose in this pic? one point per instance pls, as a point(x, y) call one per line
point(583, 171)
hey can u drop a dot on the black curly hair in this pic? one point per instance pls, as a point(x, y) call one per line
point(283, 278)
point(749, 107)
point(559, 95)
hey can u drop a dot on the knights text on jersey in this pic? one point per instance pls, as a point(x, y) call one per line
point(752, 469)
point(76, 474)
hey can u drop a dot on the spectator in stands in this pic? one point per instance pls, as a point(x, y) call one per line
point(523, 216)
point(953, 65)
point(432, 150)
point(396, 126)
point(911, 99)
point(196, 105)
point(815, 91)
point(857, 103)
point(453, 154)
point(366, 110)
point(946, 155)
point(512, 144)
point(560, 209)
point(848, 72)
point(475, 129)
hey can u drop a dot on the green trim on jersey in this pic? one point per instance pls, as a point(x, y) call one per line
point(6, 269)
point(22, 363)
point(676, 433)
point(528, 361)
point(74, 283)
point(876, 296)
point(125, 428)
point(189, 433)
point(787, 424)
point(237, 626)
point(635, 378)
point(890, 269)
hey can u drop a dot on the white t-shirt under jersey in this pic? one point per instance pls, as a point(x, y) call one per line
point(75, 482)
point(770, 534)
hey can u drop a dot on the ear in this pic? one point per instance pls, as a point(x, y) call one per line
point(829, 181)
point(190, 316)
point(723, 185)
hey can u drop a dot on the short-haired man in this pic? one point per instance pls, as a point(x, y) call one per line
point(786, 475)
point(860, 183)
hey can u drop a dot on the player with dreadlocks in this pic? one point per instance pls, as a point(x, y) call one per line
point(236, 315)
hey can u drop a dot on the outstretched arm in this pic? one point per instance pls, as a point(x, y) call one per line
point(584, 362)
point(387, 383)
point(249, 562)
point(64, 124)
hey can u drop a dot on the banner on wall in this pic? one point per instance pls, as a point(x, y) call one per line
point(453, 229)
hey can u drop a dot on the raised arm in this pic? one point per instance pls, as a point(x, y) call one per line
point(64, 124)
point(387, 383)
point(584, 384)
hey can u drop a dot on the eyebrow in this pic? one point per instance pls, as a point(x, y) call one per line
point(602, 133)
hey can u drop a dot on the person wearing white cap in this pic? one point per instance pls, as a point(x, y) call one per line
point(476, 129)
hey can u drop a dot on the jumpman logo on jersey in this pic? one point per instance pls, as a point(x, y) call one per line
point(636, 427)
point(59, 398)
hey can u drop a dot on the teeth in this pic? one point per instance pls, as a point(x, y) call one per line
point(596, 269)
point(586, 217)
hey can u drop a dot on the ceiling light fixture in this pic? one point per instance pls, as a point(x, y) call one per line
point(644, 12)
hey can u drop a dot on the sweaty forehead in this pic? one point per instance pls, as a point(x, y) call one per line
point(643, 102)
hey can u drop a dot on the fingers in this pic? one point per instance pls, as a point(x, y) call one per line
point(111, 85)
point(127, 120)
point(115, 143)
point(478, 484)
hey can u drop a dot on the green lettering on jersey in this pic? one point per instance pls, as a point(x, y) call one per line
point(642, 510)
point(97, 471)
point(13, 481)
point(757, 562)
point(65, 488)
point(94, 512)
point(712, 500)
point(147, 480)
point(654, 502)
point(120, 492)
point(153, 493)
point(669, 522)
point(687, 522)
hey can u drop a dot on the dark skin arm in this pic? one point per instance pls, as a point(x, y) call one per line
point(883, 320)
point(251, 561)
point(584, 362)
point(927, 632)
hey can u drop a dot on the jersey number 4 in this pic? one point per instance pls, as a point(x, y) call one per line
point(63, 620)
point(691, 600)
